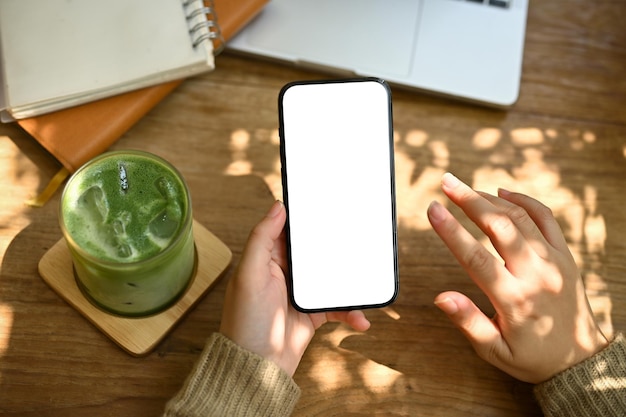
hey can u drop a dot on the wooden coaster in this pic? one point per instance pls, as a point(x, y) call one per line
point(138, 335)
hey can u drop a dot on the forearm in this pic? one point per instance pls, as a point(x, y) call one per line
point(231, 381)
point(595, 387)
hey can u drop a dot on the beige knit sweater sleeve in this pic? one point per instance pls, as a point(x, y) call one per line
point(595, 387)
point(231, 381)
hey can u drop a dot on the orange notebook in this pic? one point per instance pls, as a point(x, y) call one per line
point(77, 134)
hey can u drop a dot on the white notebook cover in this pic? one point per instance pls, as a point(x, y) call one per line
point(59, 53)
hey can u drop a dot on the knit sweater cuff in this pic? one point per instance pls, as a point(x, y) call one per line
point(594, 387)
point(228, 380)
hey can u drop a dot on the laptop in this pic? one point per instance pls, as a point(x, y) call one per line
point(466, 49)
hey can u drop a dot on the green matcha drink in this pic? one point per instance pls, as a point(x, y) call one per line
point(126, 217)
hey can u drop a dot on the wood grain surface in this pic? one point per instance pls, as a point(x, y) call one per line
point(564, 142)
point(138, 335)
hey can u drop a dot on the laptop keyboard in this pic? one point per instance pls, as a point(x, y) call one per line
point(505, 4)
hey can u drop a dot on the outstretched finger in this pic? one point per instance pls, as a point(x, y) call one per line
point(496, 223)
point(482, 332)
point(519, 216)
point(542, 217)
point(485, 270)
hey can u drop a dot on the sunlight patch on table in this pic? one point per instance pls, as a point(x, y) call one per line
point(415, 138)
point(579, 140)
point(594, 235)
point(339, 334)
point(414, 191)
point(390, 312)
point(274, 181)
point(527, 136)
point(328, 374)
point(377, 377)
point(487, 138)
point(256, 153)
point(17, 170)
point(413, 198)
point(441, 154)
point(6, 324)
point(589, 137)
point(326, 371)
point(239, 143)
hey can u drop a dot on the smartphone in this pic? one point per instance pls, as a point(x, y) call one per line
point(337, 167)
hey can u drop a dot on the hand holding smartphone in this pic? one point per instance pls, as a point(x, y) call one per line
point(336, 145)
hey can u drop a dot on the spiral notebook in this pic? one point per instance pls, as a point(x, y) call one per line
point(58, 53)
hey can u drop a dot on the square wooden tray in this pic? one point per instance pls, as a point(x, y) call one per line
point(138, 335)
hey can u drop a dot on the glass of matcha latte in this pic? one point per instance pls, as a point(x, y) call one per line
point(126, 217)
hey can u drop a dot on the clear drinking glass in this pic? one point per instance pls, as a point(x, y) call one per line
point(126, 217)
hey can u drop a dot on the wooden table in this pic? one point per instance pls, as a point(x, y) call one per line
point(564, 142)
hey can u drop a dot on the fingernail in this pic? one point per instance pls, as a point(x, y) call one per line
point(503, 193)
point(450, 181)
point(278, 205)
point(436, 211)
point(447, 305)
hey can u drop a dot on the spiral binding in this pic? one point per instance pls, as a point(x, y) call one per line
point(214, 33)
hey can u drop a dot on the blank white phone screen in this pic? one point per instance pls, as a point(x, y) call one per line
point(338, 184)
